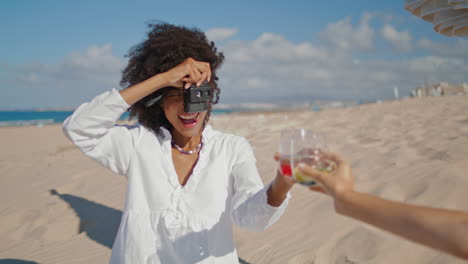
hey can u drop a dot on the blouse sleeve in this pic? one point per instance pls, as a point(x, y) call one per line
point(92, 127)
point(249, 207)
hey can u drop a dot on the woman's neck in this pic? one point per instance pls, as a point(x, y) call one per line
point(186, 143)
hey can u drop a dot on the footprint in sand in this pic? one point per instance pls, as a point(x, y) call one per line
point(263, 254)
point(305, 258)
point(345, 251)
point(345, 260)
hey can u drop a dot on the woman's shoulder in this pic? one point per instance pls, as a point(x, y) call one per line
point(236, 147)
point(140, 132)
point(230, 140)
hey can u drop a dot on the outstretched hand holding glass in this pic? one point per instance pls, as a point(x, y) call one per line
point(441, 229)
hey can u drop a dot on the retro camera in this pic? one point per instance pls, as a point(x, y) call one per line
point(197, 99)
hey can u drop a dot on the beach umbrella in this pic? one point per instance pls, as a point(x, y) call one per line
point(449, 17)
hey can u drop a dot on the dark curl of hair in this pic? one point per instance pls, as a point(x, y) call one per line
point(165, 47)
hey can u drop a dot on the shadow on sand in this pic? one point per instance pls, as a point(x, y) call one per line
point(16, 261)
point(100, 222)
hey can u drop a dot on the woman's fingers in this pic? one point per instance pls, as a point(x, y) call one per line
point(204, 77)
point(178, 84)
point(194, 74)
point(189, 72)
point(191, 78)
point(288, 179)
point(276, 156)
point(205, 70)
point(197, 73)
point(187, 85)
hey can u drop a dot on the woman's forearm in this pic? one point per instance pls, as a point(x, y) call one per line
point(138, 91)
point(277, 192)
point(438, 228)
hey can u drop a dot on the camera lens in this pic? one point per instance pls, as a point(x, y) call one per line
point(198, 94)
point(207, 93)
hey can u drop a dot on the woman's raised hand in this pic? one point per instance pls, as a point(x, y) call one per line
point(190, 72)
point(279, 188)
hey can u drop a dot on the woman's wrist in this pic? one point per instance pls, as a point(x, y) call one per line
point(277, 192)
point(159, 81)
point(281, 185)
point(163, 79)
point(138, 91)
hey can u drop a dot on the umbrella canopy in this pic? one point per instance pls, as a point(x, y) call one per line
point(449, 17)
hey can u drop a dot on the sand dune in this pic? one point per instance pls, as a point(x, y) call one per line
point(58, 206)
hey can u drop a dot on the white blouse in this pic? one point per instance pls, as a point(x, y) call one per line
point(163, 221)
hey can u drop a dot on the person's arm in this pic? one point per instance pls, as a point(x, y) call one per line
point(188, 72)
point(446, 230)
point(441, 229)
point(278, 190)
point(92, 127)
point(254, 206)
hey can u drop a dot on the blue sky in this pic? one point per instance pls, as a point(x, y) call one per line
point(61, 53)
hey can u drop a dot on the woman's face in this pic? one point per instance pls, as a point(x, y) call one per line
point(186, 124)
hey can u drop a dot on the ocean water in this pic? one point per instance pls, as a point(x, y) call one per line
point(40, 118)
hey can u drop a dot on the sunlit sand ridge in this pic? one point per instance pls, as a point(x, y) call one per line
point(58, 206)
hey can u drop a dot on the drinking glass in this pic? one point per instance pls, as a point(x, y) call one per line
point(306, 146)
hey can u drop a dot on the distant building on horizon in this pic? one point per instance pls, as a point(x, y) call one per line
point(440, 89)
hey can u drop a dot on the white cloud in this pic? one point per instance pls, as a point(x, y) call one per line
point(344, 36)
point(269, 68)
point(457, 48)
point(433, 64)
point(255, 82)
point(220, 34)
point(272, 68)
point(424, 43)
point(271, 47)
point(400, 40)
point(94, 58)
point(79, 76)
point(95, 63)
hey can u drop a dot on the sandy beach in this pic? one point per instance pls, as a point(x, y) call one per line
point(58, 206)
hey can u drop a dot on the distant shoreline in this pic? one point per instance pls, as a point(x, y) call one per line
point(41, 118)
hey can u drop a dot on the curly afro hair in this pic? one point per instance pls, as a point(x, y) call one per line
point(165, 47)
